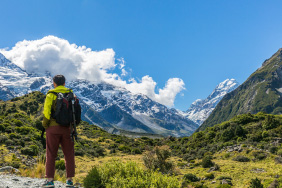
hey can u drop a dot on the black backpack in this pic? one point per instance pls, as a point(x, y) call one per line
point(66, 112)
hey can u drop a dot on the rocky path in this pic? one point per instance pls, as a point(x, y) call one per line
point(13, 181)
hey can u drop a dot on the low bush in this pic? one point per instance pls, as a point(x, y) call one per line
point(209, 176)
point(127, 175)
point(32, 150)
point(256, 183)
point(241, 158)
point(259, 155)
point(191, 177)
point(93, 179)
point(157, 160)
point(207, 162)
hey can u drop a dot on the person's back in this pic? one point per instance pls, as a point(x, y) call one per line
point(57, 135)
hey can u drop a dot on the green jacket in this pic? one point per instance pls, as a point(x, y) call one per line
point(50, 103)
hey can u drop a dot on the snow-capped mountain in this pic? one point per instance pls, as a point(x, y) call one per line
point(200, 109)
point(110, 107)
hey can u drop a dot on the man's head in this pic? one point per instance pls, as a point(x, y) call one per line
point(59, 80)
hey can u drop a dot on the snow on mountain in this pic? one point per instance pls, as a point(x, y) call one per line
point(200, 109)
point(110, 107)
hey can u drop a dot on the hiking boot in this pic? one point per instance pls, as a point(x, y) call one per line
point(69, 184)
point(49, 184)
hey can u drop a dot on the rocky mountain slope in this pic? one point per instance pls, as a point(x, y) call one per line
point(262, 91)
point(105, 105)
point(200, 110)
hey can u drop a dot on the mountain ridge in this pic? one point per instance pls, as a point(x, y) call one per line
point(262, 91)
point(132, 111)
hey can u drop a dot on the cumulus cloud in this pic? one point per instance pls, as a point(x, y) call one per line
point(58, 56)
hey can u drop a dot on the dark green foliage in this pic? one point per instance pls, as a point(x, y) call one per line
point(256, 183)
point(27, 151)
point(207, 162)
point(191, 177)
point(241, 158)
point(60, 165)
point(273, 149)
point(209, 176)
point(270, 122)
point(2, 128)
point(93, 179)
point(259, 155)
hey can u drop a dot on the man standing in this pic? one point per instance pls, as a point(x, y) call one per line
point(57, 135)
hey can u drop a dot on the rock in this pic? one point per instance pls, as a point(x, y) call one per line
point(226, 181)
point(8, 169)
point(213, 182)
point(212, 169)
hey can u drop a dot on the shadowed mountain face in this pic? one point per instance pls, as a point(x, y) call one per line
point(112, 108)
point(262, 91)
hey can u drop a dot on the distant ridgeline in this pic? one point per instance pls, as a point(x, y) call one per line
point(261, 92)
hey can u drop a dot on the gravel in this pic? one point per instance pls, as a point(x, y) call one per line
point(13, 181)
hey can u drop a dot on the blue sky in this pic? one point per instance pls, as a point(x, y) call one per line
point(201, 42)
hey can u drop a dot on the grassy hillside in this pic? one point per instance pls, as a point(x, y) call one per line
point(238, 150)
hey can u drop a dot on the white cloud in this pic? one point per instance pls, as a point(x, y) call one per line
point(58, 56)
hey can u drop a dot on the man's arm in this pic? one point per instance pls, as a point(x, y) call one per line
point(47, 110)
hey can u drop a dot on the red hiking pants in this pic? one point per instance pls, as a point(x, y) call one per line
point(55, 136)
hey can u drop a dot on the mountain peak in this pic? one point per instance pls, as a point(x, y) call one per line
point(201, 108)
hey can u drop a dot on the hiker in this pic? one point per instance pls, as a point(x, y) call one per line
point(58, 134)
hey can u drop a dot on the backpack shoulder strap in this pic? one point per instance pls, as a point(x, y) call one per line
point(52, 92)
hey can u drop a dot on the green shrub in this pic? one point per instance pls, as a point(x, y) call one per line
point(273, 149)
point(259, 155)
point(156, 159)
point(32, 150)
point(60, 165)
point(18, 123)
point(256, 183)
point(279, 152)
point(209, 176)
point(270, 122)
point(14, 135)
point(24, 130)
point(93, 179)
point(241, 158)
point(207, 162)
point(191, 177)
point(2, 128)
point(127, 175)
